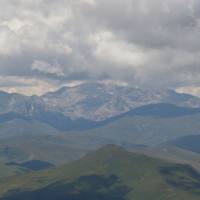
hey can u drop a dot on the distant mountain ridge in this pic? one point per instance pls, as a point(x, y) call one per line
point(99, 101)
point(92, 101)
point(61, 122)
point(163, 110)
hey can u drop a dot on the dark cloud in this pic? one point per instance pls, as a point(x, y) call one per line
point(146, 42)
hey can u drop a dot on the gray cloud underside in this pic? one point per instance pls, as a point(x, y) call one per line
point(145, 42)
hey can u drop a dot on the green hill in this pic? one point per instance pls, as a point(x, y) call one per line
point(171, 153)
point(18, 127)
point(190, 142)
point(148, 125)
point(148, 130)
point(57, 149)
point(109, 173)
point(6, 170)
point(9, 171)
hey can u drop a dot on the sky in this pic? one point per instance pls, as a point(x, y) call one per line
point(45, 44)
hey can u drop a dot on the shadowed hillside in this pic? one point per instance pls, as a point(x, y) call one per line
point(109, 173)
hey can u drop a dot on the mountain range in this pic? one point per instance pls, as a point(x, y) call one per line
point(92, 101)
point(100, 141)
point(31, 129)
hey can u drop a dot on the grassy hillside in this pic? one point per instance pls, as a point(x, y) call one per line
point(109, 173)
point(23, 140)
point(6, 170)
point(148, 125)
point(171, 153)
point(190, 143)
point(56, 149)
point(149, 130)
point(23, 127)
point(9, 171)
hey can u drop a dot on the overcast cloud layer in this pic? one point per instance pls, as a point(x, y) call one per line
point(47, 43)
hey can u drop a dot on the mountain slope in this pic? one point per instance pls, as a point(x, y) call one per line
point(18, 127)
point(100, 101)
point(53, 149)
point(92, 101)
point(162, 110)
point(150, 125)
point(54, 119)
point(171, 153)
point(34, 165)
point(191, 143)
point(60, 122)
point(20, 104)
point(10, 171)
point(109, 173)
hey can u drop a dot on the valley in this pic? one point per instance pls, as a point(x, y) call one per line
point(46, 154)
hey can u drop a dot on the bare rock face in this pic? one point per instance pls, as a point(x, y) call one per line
point(99, 101)
point(20, 104)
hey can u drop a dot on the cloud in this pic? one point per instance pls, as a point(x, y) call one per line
point(149, 43)
point(191, 90)
point(118, 52)
point(46, 68)
point(25, 86)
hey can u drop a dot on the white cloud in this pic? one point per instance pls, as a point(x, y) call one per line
point(115, 51)
point(9, 42)
point(27, 86)
point(193, 90)
point(44, 67)
point(90, 2)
